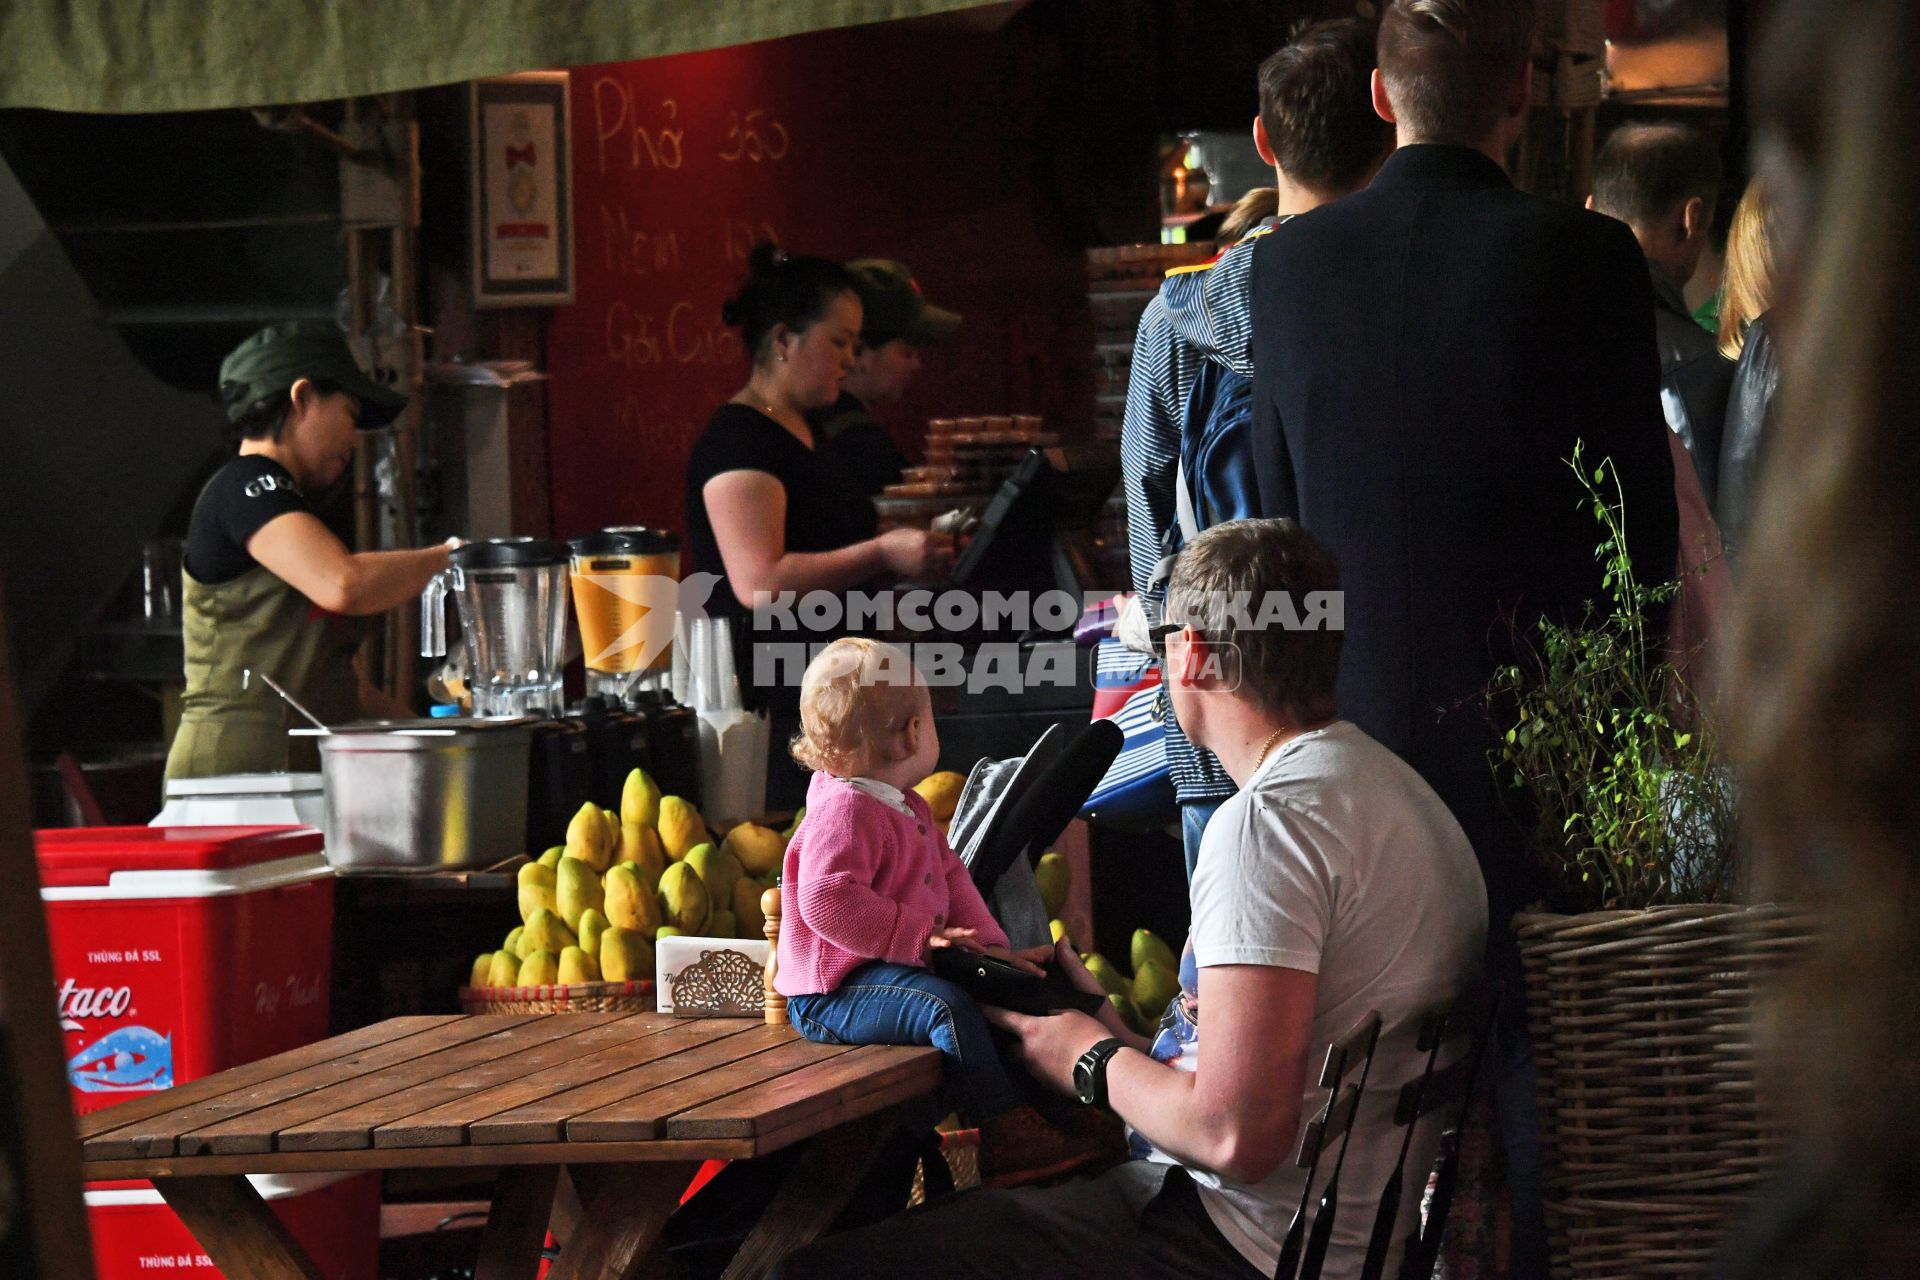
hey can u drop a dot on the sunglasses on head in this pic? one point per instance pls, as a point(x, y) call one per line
point(1158, 634)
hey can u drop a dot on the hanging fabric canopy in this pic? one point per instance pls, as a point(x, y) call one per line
point(125, 57)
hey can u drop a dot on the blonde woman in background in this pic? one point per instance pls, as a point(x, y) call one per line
point(1745, 336)
point(1747, 278)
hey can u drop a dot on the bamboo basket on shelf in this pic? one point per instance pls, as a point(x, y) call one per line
point(1654, 1136)
point(579, 997)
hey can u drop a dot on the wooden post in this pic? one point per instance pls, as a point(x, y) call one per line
point(39, 1158)
point(773, 1004)
point(403, 640)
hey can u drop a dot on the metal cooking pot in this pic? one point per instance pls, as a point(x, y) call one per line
point(424, 795)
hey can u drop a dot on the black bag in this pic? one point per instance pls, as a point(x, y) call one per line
point(992, 981)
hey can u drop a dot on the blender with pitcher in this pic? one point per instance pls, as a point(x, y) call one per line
point(512, 597)
point(626, 582)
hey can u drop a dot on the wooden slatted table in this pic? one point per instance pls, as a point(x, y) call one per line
point(627, 1104)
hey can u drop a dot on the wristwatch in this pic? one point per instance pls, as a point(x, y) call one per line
point(1090, 1072)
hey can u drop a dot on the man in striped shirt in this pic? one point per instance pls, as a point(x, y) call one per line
point(1318, 129)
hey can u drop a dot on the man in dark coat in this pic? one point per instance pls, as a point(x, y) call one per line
point(1426, 353)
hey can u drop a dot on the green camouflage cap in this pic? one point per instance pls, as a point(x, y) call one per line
point(278, 356)
point(893, 307)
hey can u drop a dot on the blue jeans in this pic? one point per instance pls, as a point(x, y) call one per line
point(1194, 815)
point(882, 1003)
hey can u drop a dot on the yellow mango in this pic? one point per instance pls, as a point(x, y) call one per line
point(591, 928)
point(718, 869)
point(1055, 878)
point(1147, 946)
point(587, 837)
point(758, 849)
point(482, 966)
point(504, 971)
point(1153, 988)
point(681, 827)
point(639, 800)
point(1108, 976)
point(685, 902)
point(625, 957)
point(577, 966)
point(539, 969)
point(577, 890)
point(535, 884)
point(941, 791)
point(641, 846)
point(547, 932)
point(631, 903)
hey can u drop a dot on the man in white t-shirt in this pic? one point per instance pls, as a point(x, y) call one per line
point(1333, 884)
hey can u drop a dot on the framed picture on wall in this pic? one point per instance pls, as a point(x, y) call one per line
point(522, 166)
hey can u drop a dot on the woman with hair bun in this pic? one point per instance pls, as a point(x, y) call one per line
point(766, 511)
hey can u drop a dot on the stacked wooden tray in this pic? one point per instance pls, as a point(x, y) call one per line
point(967, 460)
point(1121, 280)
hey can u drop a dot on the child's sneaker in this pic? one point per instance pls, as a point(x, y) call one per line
point(1022, 1146)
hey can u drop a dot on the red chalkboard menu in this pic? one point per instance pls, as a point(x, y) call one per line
point(863, 142)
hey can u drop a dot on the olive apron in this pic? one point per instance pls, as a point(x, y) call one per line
point(231, 724)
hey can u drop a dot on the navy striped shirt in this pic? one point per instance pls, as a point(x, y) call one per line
point(1199, 313)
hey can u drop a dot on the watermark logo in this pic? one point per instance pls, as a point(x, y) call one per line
point(647, 592)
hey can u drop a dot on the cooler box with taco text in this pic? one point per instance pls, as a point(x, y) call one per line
point(179, 952)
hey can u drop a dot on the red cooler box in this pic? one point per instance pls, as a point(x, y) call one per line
point(334, 1216)
point(180, 951)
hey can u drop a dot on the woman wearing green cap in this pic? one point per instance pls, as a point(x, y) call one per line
point(266, 584)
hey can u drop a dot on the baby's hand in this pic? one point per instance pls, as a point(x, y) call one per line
point(959, 939)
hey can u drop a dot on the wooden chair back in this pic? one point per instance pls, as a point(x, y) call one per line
point(1351, 1051)
point(1464, 1023)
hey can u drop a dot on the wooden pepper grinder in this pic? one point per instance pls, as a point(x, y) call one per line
point(773, 1004)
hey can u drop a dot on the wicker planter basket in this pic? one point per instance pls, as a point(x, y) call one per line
point(1653, 1137)
point(580, 997)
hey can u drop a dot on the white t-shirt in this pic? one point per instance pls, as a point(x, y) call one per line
point(1335, 859)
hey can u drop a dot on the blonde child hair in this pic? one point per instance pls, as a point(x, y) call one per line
point(856, 700)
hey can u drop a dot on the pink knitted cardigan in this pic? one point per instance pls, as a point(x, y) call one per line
point(863, 881)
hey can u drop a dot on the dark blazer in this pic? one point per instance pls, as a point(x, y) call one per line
point(1426, 352)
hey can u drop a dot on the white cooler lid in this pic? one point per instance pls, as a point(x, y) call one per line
point(271, 1186)
point(246, 784)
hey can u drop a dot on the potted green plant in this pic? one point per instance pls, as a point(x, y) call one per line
point(1640, 972)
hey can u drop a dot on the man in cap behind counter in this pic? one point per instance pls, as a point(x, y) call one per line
point(897, 323)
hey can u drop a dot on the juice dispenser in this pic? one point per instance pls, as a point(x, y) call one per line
point(625, 593)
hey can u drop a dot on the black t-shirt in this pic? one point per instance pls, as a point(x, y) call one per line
point(242, 497)
point(825, 511)
point(825, 508)
point(847, 433)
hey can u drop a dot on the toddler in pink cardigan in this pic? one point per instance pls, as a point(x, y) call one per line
point(871, 887)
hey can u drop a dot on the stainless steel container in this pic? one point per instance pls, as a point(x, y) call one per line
point(424, 795)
